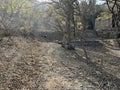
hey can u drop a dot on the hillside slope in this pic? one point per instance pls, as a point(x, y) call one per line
point(27, 64)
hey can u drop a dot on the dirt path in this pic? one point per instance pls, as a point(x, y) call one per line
point(32, 65)
point(65, 73)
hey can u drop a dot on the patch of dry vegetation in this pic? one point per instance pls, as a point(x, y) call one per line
point(27, 64)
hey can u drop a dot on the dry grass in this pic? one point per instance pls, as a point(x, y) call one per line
point(27, 64)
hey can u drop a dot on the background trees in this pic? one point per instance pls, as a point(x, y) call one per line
point(114, 7)
point(68, 16)
point(18, 15)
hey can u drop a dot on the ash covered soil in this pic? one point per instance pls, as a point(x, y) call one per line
point(29, 64)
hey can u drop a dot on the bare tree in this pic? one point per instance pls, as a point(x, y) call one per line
point(82, 9)
point(114, 8)
point(73, 12)
point(67, 11)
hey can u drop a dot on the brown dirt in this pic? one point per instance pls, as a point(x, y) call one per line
point(27, 64)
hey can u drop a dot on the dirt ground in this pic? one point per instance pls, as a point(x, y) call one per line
point(27, 64)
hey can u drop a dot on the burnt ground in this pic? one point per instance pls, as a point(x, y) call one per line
point(27, 64)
